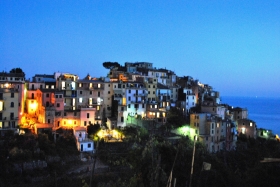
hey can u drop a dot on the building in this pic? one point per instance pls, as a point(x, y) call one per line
point(247, 127)
point(83, 143)
point(12, 86)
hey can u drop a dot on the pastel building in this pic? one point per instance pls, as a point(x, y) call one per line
point(12, 89)
point(83, 143)
point(247, 127)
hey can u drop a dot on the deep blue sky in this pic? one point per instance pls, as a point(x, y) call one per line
point(232, 45)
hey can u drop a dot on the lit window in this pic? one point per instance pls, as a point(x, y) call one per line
point(80, 100)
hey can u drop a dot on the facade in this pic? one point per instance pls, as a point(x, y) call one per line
point(247, 127)
point(210, 129)
point(11, 100)
point(239, 113)
point(127, 95)
point(82, 142)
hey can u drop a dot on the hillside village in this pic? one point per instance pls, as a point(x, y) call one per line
point(125, 129)
point(133, 94)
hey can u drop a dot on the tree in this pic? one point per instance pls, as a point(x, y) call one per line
point(17, 70)
point(175, 118)
point(111, 65)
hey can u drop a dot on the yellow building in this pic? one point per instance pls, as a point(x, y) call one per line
point(11, 100)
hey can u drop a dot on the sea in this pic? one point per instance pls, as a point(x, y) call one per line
point(265, 111)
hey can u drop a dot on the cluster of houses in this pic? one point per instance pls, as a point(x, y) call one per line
point(128, 93)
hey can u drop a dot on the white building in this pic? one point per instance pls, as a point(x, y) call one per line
point(83, 143)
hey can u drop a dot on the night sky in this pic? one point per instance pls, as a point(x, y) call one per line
point(231, 45)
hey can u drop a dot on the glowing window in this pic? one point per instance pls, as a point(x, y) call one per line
point(80, 100)
point(1, 105)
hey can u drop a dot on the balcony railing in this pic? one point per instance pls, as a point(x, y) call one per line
point(140, 94)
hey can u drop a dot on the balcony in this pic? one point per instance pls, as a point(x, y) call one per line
point(70, 95)
point(10, 118)
point(140, 95)
point(95, 88)
point(137, 102)
point(118, 96)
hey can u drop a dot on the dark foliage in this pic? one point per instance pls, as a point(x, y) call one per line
point(111, 65)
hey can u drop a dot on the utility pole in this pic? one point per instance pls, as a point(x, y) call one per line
point(54, 125)
point(194, 141)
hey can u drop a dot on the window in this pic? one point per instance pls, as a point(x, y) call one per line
point(129, 91)
point(85, 123)
point(81, 92)
point(89, 145)
point(87, 115)
point(47, 95)
point(12, 104)
point(128, 105)
point(122, 119)
point(129, 98)
point(65, 114)
point(90, 92)
point(49, 121)
point(12, 95)
point(57, 104)
point(108, 92)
